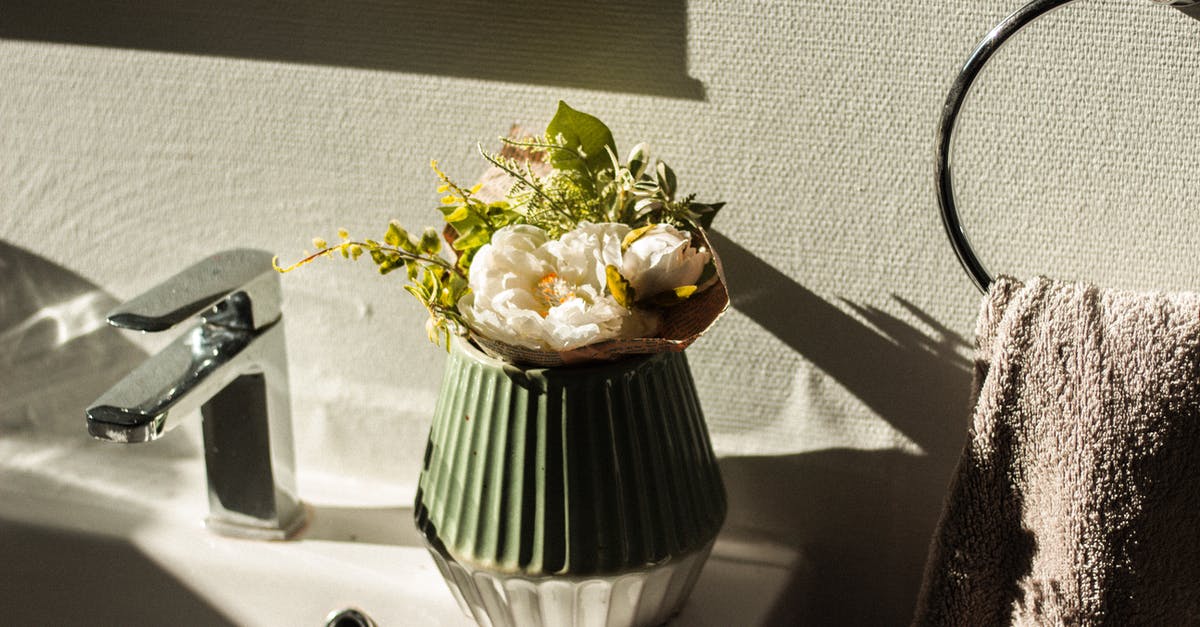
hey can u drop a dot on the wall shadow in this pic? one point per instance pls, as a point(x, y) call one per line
point(861, 520)
point(620, 46)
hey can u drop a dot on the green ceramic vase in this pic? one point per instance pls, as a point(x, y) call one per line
point(586, 495)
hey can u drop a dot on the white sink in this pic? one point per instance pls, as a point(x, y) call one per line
point(97, 533)
point(94, 533)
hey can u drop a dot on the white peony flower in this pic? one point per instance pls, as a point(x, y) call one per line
point(529, 290)
point(663, 259)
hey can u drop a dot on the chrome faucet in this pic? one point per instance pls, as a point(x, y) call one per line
point(232, 365)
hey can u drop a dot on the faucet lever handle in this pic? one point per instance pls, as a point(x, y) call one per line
point(244, 273)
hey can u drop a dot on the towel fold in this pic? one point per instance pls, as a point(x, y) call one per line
point(1077, 498)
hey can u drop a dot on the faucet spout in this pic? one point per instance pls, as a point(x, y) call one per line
point(178, 380)
point(232, 366)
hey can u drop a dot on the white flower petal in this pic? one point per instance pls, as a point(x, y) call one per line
point(662, 259)
point(531, 291)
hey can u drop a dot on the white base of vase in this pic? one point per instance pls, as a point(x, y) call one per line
point(643, 598)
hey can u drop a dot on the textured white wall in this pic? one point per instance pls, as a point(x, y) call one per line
point(835, 388)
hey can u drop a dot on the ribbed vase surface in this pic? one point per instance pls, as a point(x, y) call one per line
point(563, 496)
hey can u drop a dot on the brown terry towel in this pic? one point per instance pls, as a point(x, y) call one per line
point(1077, 499)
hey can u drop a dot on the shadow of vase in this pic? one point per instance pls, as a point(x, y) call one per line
point(856, 523)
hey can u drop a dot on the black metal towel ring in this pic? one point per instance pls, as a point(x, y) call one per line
point(954, 102)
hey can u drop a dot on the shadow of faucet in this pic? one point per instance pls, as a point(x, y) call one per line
point(56, 356)
point(56, 352)
point(232, 365)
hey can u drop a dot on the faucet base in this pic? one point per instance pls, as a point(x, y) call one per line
point(288, 529)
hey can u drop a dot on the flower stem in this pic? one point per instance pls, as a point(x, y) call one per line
point(328, 251)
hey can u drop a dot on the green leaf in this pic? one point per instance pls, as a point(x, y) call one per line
point(398, 237)
point(458, 215)
point(705, 213)
point(387, 263)
point(431, 242)
point(580, 132)
point(393, 235)
point(458, 284)
point(637, 161)
point(416, 291)
point(473, 238)
point(666, 180)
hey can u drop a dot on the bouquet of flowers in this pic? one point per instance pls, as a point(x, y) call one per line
point(562, 253)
